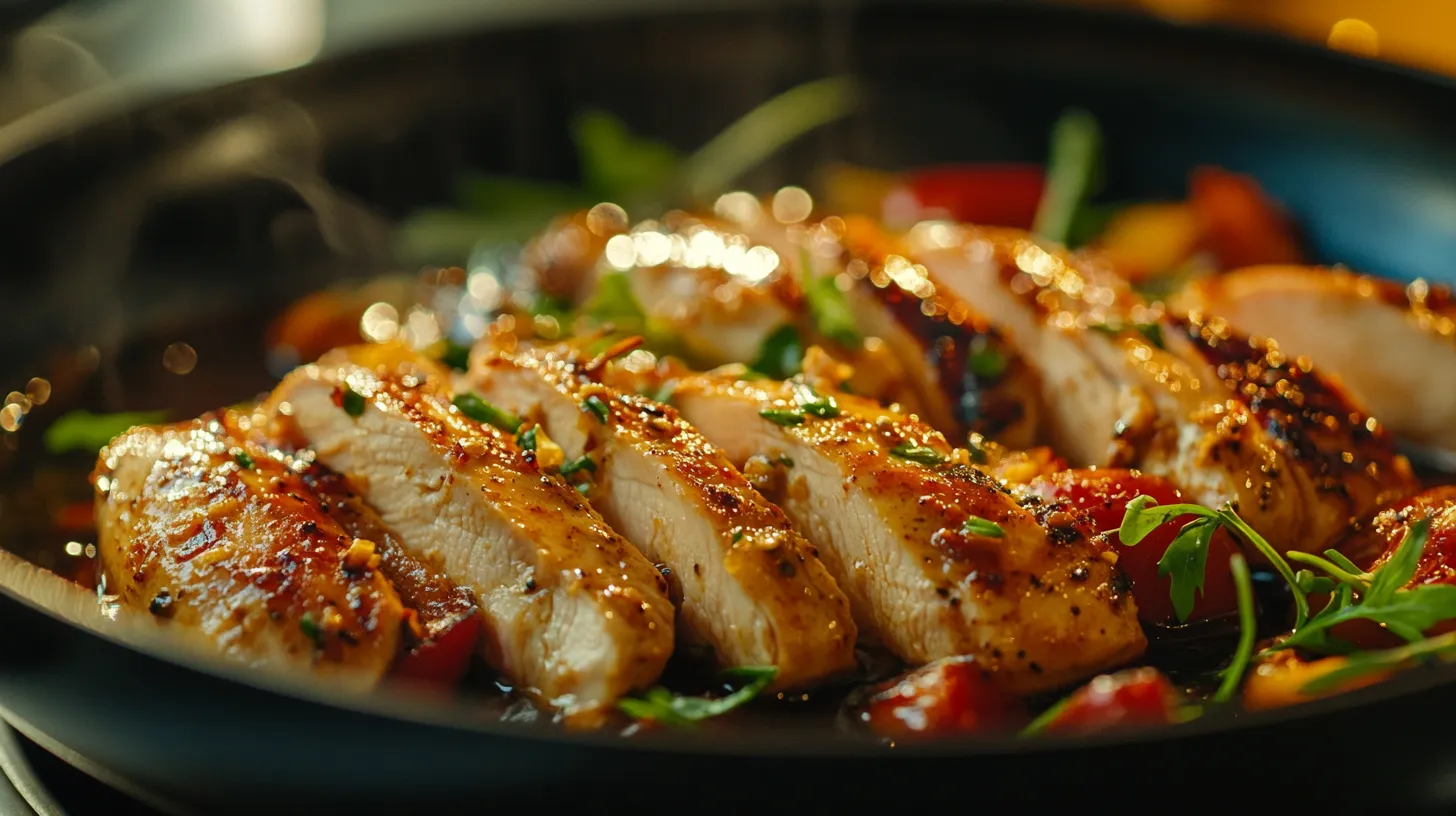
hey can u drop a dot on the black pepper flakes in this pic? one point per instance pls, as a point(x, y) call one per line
point(161, 604)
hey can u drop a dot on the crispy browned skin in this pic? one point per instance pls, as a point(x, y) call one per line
point(1230, 420)
point(751, 587)
point(1037, 607)
point(438, 602)
point(573, 613)
point(242, 553)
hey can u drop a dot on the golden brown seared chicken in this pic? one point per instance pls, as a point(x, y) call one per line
point(205, 529)
point(752, 589)
point(886, 501)
point(1392, 346)
point(1226, 418)
point(573, 614)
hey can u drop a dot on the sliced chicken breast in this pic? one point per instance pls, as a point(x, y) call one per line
point(1228, 419)
point(752, 588)
point(1385, 342)
point(209, 531)
point(573, 614)
point(900, 519)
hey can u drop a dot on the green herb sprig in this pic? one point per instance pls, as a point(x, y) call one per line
point(88, 432)
point(975, 525)
point(919, 454)
point(686, 712)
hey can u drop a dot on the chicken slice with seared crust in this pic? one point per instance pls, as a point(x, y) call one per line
point(1228, 419)
point(573, 614)
point(207, 530)
point(752, 588)
point(886, 501)
point(1385, 342)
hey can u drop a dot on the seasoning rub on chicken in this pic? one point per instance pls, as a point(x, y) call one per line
point(573, 614)
point(752, 589)
point(936, 557)
point(205, 529)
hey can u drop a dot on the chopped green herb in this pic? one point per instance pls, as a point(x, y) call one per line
point(352, 402)
point(1186, 561)
point(527, 438)
point(827, 305)
point(985, 360)
point(824, 407)
point(684, 712)
point(544, 305)
point(311, 629)
point(456, 355)
point(1072, 169)
point(737, 536)
point(785, 461)
point(1248, 630)
point(479, 410)
point(975, 525)
point(782, 417)
point(919, 453)
point(88, 432)
point(597, 408)
point(976, 450)
point(781, 355)
point(584, 463)
point(663, 393)
point(1152, 332)
point(584, 488)
point(244, 460)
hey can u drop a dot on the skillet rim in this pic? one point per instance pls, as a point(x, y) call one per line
point(827, 744)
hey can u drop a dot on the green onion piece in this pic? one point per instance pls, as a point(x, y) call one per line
point(244, 460)
point(782, 417)
point(88, 432)
point(584, 463)
point(527, 438)
point(597, 408)
point(975, 525)
point(479, 410)
point(919, 454)
point(1073, 167)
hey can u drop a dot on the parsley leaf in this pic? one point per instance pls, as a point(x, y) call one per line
point(88, 432)
point(685, 712)
point(1144, 515)
point(352, 402)
point(479, 410)
point(975, 525)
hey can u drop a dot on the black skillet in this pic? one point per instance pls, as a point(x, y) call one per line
point(134, 233)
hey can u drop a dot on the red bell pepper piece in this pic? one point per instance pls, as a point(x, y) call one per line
point(1002, 195)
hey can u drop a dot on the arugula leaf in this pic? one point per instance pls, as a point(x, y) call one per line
point(1397, 572)
point(781, 355)
point(88, 432)
point(1248, 631)
point(1072, 169)
point(615, 163)
point(685, 712)
point(1185, 560)
point(1144, 515)
point(975, 525)
point(827, 305)
point(479, 410)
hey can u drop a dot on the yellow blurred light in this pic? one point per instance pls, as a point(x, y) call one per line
point(1354, 37)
